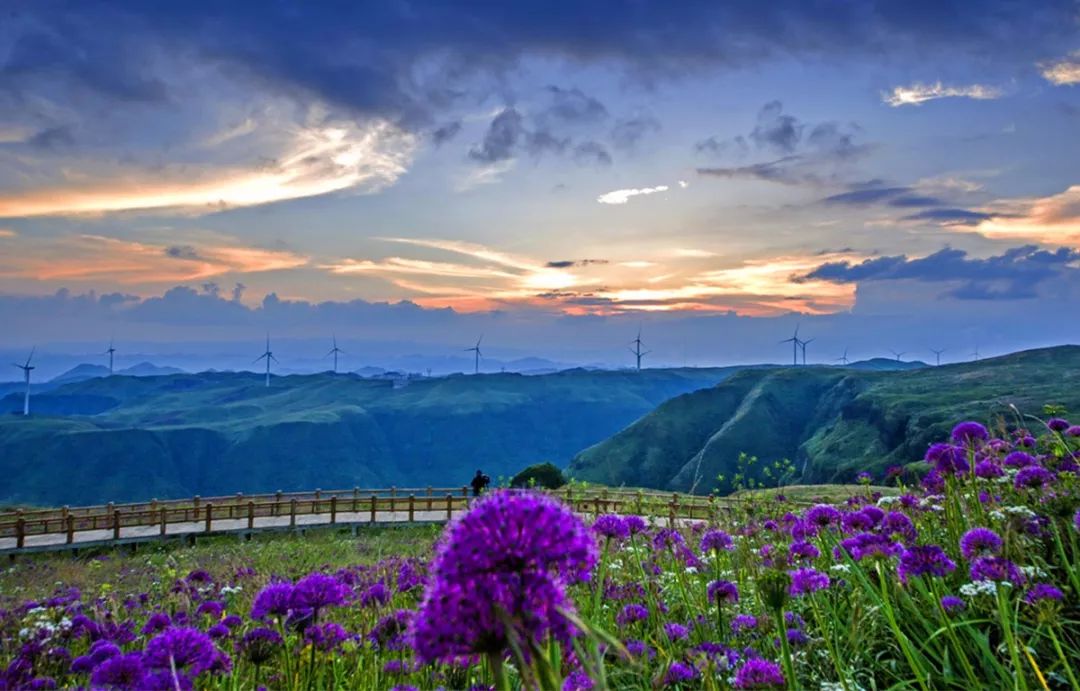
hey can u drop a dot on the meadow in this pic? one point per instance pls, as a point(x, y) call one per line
point(966, 578)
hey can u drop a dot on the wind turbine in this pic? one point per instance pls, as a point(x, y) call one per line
point(937, 354)
point(795, 343)
point(637, 351)
point(898, 355)
point(268, 355)
point(476, 351)
point(26, 375)
point(802, 345)
point(976, 353)
point(333, 351)
point(110, 352)
point(843, 359)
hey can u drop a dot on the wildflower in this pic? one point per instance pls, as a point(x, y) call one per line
point(611, 526)
point(988, 469)
point(395, 667)
point(806, 581)
point(743, 622)
point(119, 672)
point(969, 432)
point(211, 608)
point(952, 604)
point(996, 569)
point(722, 592)
point(1033, 476)
point(1043, 591)
point(870, 545)
point(1019, 459)
point(316, 591)
point(1076, 520)
point(924, 560)
point(638, 648)
point(632, 613)
point(189, 651)
point(773, 586)
point(676, 632)
point(259, 646)
point(635, 524)
point(667, 538)
point(326, 637)
point(947, 459)
point(759, 674)
point(507, 560)
point(578, 680)
point(864, 478)
point(1056, 424)
point(678, 673)
point(804, 551)
point(716, 540)
point(979, 542)
point(1073, 431)
point(389, 633)
point(275, 599)
point(99, 652)
point(158, 621)
point(218, 631)
point(375, 594)
point(897, 523)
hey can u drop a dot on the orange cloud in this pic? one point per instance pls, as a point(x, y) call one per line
point(1053, 220)
point(93, 257)
point(314, 161)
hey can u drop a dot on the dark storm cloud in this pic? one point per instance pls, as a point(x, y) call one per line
point(780, 133)
point(903, 197)
point(573, 105)
point(789, 170)
point(182, 252)
point(444, 133)
point(405, 60)
point(507, 135)
point(567, 263)
point(963, 217)
point(593, 153)
point(52, 138)
point(1014, 274)
point(776, 130)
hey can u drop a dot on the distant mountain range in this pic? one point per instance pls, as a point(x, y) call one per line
point(831, 422)
point(87, 371)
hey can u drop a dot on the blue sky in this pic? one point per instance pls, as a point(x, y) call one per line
point(594, 166)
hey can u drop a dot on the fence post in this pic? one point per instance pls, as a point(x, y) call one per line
point(393, 493)
point(393, 501)
point(20, 532)
point(164, 519)
point(429, 498)
point(277, 503)
point(251, 515)
point(116, 525)
point(374, 499)
point(70, 525)
point(195, 501)
point(333, 509)
point(209, 515)
point(355, 499)
point(292, 513)
point(412, 508)
point(449, 506)
point(316, 506)
point(465, 491)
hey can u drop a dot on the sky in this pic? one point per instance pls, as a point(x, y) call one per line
point(888, 176)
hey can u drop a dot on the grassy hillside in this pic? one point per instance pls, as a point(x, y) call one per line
point(831, 422)
point(120, 437)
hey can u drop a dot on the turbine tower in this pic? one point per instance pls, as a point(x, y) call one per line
point(795, 343)
point(843, 359)
point(268, 356)
point(897, 354)
point(110, 352)
point(333, 351)
point(802, 345)
point(937, 354)
point(975, 354)
point(477, 354)
point(637, 351)
point(26, 376)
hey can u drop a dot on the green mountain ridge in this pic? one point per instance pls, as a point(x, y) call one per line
point(128, 438)
point(831, 422)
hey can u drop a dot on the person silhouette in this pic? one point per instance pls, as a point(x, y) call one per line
point(479, 483)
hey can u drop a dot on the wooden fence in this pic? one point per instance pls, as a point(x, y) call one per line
point(355, 506)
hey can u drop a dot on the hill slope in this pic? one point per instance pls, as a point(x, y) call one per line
point(118, 438)
point(831, 422)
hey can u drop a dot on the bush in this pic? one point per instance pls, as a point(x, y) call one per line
point(543, 475)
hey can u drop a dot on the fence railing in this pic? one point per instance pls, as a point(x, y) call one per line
point(207, 514)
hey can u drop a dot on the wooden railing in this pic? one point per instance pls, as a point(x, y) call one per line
point(370, 504)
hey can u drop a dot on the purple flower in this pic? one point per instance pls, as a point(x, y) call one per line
point(273, 600)
point(924, 560)
point(632, 613)
point(716, 540)
point(952, 604)
point(897, 523)
point(119, 672)
point(389, 633)
point(996, 569)
point(189, 650)
point(806, 581)
point(1056, 424)
point(759, 674)
point(212, 608)
point(803, 551)
point(667, 538)
point(635, 524)
point(1076, 520)
point(218, 630)
point(1073, 431)
point(1033, 476)
point(743, 622)
point(395, 667)
point(260, 645)
point(508, 558)
point(988, 469)
point(1043, 591)
point(676, 632)
point(100, 651)
point(678, 673)
point(326, 637)
point(979, 542)
point(375, 594)
point(947, 459)
point(158, 621)
point(969, 432)
point(578, 680)
point(611, 526)
point(1019, 459)
point(823, 515)
point(722, 592)
point(318, 590)
point(639, 649)
point(870, 545)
